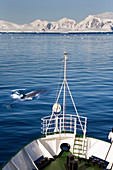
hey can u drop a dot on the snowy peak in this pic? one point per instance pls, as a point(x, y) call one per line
point(106, 15)
point(61, 25)
point(66, 21)
point(97, 23)
point(93, 23)
point(38, 23)
point(6, 25)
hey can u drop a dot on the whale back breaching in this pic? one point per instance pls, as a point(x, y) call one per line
point(29, 95)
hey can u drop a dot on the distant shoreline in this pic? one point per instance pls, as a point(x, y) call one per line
point(58, 33)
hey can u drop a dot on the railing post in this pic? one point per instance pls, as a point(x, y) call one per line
point(85, 129)
point(75, 126)
point(43, 125)
point(56, 124)
point(84, 135)
point(70, 123)
point(46, 127)
point(60, 125)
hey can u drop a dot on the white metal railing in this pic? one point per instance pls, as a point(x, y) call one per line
point(54, 124)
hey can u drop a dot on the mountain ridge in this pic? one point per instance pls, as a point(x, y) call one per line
point(93, 23)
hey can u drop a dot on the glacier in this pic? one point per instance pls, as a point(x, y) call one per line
point(93, 23)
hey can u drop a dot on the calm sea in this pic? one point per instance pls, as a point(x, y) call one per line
point(31, 62)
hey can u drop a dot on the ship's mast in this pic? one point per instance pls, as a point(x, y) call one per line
point(65, 81)
point(56, 109)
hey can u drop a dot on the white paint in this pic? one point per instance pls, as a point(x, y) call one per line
point(10, 166)
point(97, 148)
point(34, 150)
point(44, 150)
point(54, 141)
point(22, 160)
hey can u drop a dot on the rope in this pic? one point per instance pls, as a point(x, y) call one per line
point(59, 81)
point(56, 95)
point(75, 108)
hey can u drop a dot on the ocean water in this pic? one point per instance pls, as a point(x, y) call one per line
point(31, 62)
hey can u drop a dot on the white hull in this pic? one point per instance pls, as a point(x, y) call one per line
point(49, 146)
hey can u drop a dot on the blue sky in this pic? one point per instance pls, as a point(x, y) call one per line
point(26, 11)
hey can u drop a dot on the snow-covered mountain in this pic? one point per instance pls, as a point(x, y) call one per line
point(64, 24)
point(93, 23)
point(6, 26)
point(97, 23)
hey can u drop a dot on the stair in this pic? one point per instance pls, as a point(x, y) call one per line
point(77, 149)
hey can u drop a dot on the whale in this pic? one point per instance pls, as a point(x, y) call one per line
point(31, 94)
point(25, 96)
